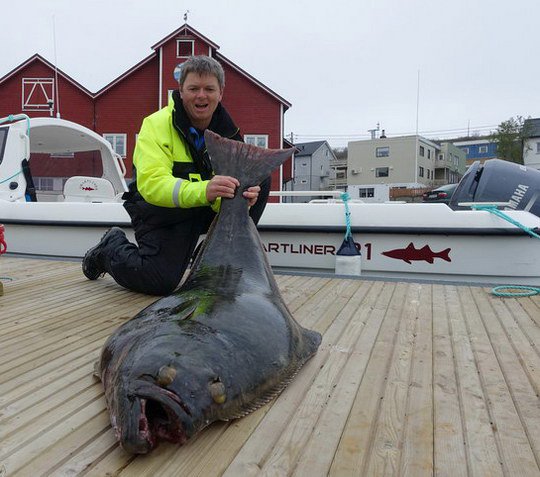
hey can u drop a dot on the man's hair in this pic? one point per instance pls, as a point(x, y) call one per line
point(202, 65)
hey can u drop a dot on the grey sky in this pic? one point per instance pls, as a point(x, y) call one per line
point(344, 65)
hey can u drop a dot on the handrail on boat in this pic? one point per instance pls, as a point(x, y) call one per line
point(17, 117)
point(306, 193)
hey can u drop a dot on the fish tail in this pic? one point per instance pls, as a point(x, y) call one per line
point(247, 163)
point(445, 254)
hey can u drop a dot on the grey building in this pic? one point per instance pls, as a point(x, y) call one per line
point(405, 161)
point(311, 168)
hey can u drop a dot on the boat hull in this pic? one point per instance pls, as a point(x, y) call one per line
point(396, 240)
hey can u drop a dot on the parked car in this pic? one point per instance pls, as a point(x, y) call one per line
point(440, 194)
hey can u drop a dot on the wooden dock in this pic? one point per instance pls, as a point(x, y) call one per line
point(411, 379)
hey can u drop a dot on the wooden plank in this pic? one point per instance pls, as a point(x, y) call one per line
point(388, 438)
point(256, 450)
point(512, 443)
point(514, 394)
point(449, 457)
point(355, 345)
point(353, 452)
point(418, 446)
point(482, 452)
point(411, 379)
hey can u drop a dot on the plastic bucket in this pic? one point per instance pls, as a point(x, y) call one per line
point(500, 181)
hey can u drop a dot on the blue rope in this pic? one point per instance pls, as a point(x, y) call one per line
point(345, 198)
point(527, 291)
point(14, 117)
point(495, 211)
point(11, 177)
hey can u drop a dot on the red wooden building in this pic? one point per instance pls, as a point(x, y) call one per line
point(116, 111)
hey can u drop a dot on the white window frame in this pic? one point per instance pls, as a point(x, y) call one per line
point(482, 149)
point(260, 140)
point(366, 192)
point(112, 138)
point(44, 184)
point(29, 88)
point(178, 48)
point(378, 171)
point(382, 151)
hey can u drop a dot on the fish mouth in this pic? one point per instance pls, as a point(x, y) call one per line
point(158, 415)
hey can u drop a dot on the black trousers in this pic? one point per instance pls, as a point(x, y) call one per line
point(166, 240)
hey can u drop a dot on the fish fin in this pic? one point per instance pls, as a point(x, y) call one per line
point(249, 164)
point(445, 254)
point(410, 247)
point(429, 260)
point(406, 260)
point(261, 401)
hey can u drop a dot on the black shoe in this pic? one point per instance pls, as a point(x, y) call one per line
point(92, 264)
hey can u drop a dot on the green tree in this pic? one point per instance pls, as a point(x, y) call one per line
point(510, 136)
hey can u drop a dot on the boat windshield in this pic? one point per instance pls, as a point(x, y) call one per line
point(3, 137)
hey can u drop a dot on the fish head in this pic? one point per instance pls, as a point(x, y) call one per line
point(170, 402)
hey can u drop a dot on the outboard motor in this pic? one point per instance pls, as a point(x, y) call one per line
point(500, 181)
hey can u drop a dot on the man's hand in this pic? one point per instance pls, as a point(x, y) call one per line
point(224, 186)
point(221, 186)
point(252, 194)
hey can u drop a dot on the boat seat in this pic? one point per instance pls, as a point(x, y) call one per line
point(89, 189)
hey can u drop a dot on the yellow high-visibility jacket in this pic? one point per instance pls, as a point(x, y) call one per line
point(170, 171)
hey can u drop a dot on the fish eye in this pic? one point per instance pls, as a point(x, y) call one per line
point(217, 391)
point(166, 375)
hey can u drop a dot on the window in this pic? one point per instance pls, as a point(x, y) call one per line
point(37, 94)
point(382, 151)
point(538, 148)
point(483, 149)
point(381, 172)
point(465, 150)
point(428, 171)
point(118, 142)
point(421, 171)
point(260, 140)
point(422, 151)
point(429, 153)
point(44, 183)
point(441, 157)
point(3, 137)
point(184, 48)
point(367, 192)
point(63, 155)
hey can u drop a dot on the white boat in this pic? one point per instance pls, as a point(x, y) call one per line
point(397, 240)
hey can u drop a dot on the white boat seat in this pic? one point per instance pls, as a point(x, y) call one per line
point(88, 189)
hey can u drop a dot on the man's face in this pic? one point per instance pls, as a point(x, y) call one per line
point(200, 96)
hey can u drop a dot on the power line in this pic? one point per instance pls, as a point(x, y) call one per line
point(465, 131)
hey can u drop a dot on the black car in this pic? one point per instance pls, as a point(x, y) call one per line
point(442, 194)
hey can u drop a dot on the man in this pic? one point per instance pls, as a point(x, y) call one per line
point(175, 195)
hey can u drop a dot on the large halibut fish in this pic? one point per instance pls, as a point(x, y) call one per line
point(223, 344)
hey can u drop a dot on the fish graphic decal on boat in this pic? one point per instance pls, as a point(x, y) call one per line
point(425, 254)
